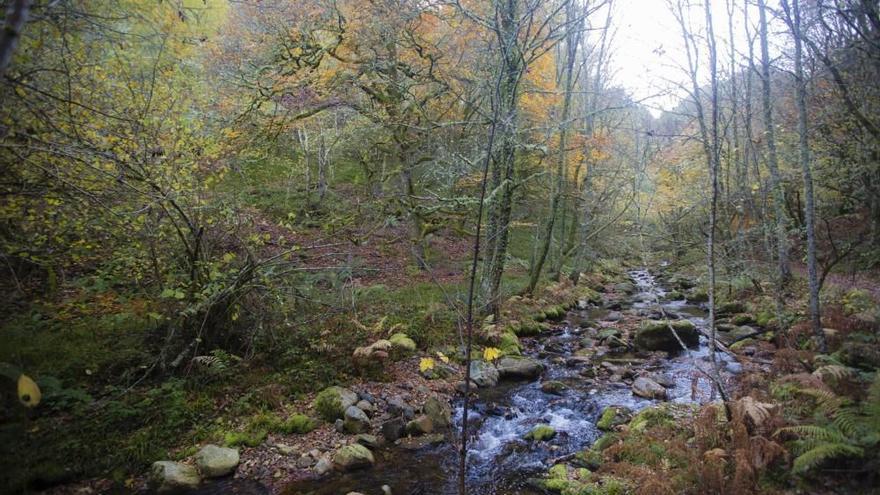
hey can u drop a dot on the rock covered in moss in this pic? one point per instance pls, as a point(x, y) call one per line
point(541, 433)
point(421, 425)
point(698, 296)
point(401, 343)
point(171, 477)
point(655, 335)
point(373, 353)
point(509, 345)
point(613, 416)
point(214, 461)
point(439, 411)
point(731, 308)
point(352, 457)
point(332, 402)
point(553, 387)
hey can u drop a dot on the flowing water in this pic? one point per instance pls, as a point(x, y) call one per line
point(499, 460)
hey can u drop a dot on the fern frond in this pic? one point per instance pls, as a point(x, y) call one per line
point(828, 403)
point(835, 371)
point(815, 433)
point(816, 456)
point(848, 422)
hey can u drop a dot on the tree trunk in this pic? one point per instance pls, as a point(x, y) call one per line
point(571, 48)
point(16, 15)
point(793, 15)
point(778, 196)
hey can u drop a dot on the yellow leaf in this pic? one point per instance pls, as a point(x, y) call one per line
point(491, 354)
point(426, 364)
point(442, 357)
point(28, 391)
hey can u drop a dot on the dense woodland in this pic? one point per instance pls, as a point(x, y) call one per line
point(213, 210)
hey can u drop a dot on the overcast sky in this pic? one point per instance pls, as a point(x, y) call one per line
point(648, 52)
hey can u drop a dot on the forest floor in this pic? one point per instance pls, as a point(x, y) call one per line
point(106, 433)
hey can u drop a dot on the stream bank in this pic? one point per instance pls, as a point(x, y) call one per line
point(588, 364)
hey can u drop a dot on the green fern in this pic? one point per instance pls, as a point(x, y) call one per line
point(843, 429)
point(821, 453)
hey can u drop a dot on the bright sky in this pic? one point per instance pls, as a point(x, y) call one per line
point(648, 54)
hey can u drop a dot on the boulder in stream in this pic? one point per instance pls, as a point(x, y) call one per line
point(655, 335)
point(553, 387)
point(519, 368)
point(170, 477)
point(648, 388)
point(438, 410)
point(484, 374)
point(541, 432)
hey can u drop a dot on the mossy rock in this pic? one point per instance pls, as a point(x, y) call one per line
point(651, 417)
point(528, 329)
point(591, 458)
point(297, 423)
point(541, 433)
point(247, 438)
point(402, 344)
point(674, 295)
point(332, 402)
point(737, 346)
point(613, 416)
point(655, 335)
point(509, 344)
point(743, 319)
point(589, 295)
point(765, 319)
point(553, 387)
point(605, 441)
point(608, 333)
point(698, 296)
point(731, 308)
point(352, 457)
point(555, 313)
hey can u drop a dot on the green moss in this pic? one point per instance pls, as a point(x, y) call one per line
point(402, 343)
point(509, 344)
point(743, 319)
point(698, 296)
point(541, 433)
point(605, 441)
point(328, 405)
point(741, 344)
point(558, 471)
point(245, 438)
point(297, 423)
point(651, 417)
point(612, 416)
point(528, 328)
point(764, 318)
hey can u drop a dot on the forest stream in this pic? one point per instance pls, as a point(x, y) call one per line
point(500, 461)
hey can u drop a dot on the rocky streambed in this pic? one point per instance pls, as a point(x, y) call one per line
point(598, 365)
